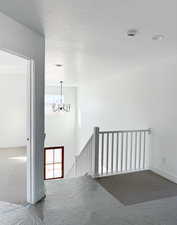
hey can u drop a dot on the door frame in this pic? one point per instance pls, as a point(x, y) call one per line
point(31, 131)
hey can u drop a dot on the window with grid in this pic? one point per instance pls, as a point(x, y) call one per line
point(53, 163)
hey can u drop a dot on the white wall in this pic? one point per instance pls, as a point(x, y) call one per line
point(13, 110)
point(60, 128)
point(141, 99)
point(19, 39)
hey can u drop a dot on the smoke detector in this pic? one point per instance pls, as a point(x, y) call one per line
point(158, 37)
point(132, 32)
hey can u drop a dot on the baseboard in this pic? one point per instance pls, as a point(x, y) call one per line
point(165, 174)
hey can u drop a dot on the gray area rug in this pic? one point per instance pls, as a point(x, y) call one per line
point(138, 187)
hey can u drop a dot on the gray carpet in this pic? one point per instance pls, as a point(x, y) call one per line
point(138, 187)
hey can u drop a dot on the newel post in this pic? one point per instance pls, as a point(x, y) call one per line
point(95, 151)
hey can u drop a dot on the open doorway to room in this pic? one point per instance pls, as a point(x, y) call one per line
point(13, 128)
point(60, 129)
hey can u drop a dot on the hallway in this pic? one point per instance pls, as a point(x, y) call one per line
point(83, 201)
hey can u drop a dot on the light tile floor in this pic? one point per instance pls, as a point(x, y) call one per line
point(82, 201)
point(13, 175)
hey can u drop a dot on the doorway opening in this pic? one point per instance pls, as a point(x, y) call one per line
point(14, 129)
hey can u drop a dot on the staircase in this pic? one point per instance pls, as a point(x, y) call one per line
point(114, 152)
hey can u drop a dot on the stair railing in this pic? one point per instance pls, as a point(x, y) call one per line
point(123, 151)
point(114, 152)
point(87, 161)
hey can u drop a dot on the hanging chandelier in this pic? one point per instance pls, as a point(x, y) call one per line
point(59, 105)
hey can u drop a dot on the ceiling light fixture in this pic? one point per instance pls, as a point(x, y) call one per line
point(132, 32)
point(158, 37)
point(59, 105)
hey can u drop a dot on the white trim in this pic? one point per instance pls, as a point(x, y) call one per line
point(30, 131)
point(165, 174)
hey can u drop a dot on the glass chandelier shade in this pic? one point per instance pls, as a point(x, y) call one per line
point(59, 105)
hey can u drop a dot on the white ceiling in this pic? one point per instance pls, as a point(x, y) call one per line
point(89, 37)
